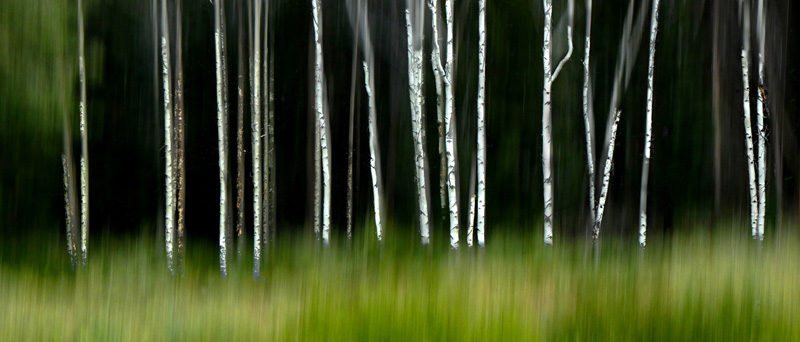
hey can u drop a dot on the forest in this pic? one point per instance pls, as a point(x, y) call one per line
point(397, 170)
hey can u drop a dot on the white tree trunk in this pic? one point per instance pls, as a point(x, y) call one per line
point(222, 140)
point(417, 126)
point(84, 142)
point(762, 138)
point(438, 73)
point(601, 205)
point(374, 150)
point(170, 183)
point(68, 205)
point(256, 140)
point(265, 200)
point(481, 228)
point(317, 180)
point(547, 130)
point(323, 137)
point(748, 130)
point(588, 116)
point(648, 129)
point(450, 127)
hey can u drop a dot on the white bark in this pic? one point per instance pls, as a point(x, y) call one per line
point(221, 132)
point(317, 180)
point(374, 150)
point(68, 205)
point(588, 115)
point(481, 229)
point(470, 228)
point(417, 126)
point(762, 137)
point(170, 183)
point(601, 205)
point(84, 142)
point(323, 129)
point(450, 127)
point(648, 129)
point(438, 73)
point(547, 130)
point(748, 130)
point(256, 140)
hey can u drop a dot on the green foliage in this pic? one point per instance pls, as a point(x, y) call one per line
point(702, 287)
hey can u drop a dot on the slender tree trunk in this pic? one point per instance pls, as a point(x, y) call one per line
point(353, 74)
point(168, 138)
point(601, 205)
point(225, 101)
point(438, 73)
point(481, 170)
point(69, 205)
point(415, 94)
point(762, 130)
point(179, 138)
point(271, 187)
point(84, 142)
point(472, 199)
point(222, 142)
point(240, 182)
point(317, 179)
point(547, 130)
point(588, 118)
point(323, 129)
point(450, 127)
point(374, 148)
point(256, 137)
point(265, 214)
point(748, 131)
point(648, 129)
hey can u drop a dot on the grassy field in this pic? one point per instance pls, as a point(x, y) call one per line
point(699, 287)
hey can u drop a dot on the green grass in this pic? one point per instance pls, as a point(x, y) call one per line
point(701, 287)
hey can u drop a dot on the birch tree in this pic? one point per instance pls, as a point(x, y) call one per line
point(168, 139)
point(445, 73)
point(222, 140)
point(601, 204)
point(547, 148)
point(265, 200)
point(438, 73)
point(588, 118)
point(481, 170)
point(762, 132)
point(271, 186)
point(372, 125)
point(323, 129)
point(69, 204)
point(744, 9)
point(84, 142)
point(648, 128)
point(256, 140)
point(415, 82)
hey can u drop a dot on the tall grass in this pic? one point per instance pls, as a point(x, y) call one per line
point(700, 287)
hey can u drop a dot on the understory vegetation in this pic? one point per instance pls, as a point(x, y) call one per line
point(705, 286)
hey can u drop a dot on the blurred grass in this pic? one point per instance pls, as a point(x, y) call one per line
point(694, 287)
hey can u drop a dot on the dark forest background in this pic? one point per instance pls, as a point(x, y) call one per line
point(698, 174)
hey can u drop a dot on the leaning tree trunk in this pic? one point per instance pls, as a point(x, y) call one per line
point(601, 204)
point(323, 129)
point(256, 137)
point(180, 140)
point(449, 122)
point(481, 170)
point(648, 129)
point(762, 138)
point(168, 139)
point(84, 142)
point(588, 119)
point(748, 130)
point(374, 149)
point(547, 130)
point(415, 94)
point(222, 141)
